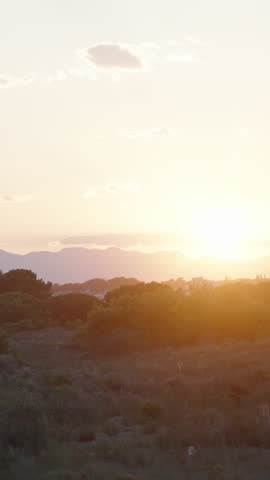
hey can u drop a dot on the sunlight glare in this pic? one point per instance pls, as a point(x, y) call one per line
point(222, 230)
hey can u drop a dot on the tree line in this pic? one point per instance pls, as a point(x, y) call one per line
point(143, 315)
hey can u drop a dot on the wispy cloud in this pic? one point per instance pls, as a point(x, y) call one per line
point(194, 41)
point(8, 81)
point(115, 58)
point(187, 42)
point(111, 189)
point(188, 50)
point(145, 56)
point(11, 199)
point(181, 58)
point(147, 133)
point(128, 240)
point(54, 243)
point(59, 76)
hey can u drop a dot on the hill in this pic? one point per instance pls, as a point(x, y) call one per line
point(76, 265)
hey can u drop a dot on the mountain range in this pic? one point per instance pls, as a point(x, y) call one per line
point(81, 264)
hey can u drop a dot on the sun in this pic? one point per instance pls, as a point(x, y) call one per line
point(222, 232)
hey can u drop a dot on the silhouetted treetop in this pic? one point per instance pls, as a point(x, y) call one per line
point(24, 281)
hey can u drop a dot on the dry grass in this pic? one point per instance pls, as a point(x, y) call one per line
point(135, 417)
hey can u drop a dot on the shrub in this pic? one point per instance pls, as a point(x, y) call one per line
point(85, 433)
point(20, 307)
point(111, 427)
point(23, 427)
point(111, 382)
point(4, 343)
point(19, 466)
point(126, 476)
point(24, 281)
point(151, 410)
point(62, 475)
point(57, 380)
point(150, 428)
point(72, 306)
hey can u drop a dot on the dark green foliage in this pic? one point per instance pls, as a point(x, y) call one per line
point(18, 307)
point(72, 306)
point(135, 290)
point(163, 317)
point(24, 281)
point(152, 313)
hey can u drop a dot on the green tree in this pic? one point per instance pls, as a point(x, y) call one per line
point(72, 306)
point(24, 281)
point(16, 307)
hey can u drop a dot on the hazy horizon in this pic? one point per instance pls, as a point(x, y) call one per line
point(188, 247)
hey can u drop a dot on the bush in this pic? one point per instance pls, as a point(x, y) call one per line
point(55, 380)
point(72, 306)
point(110, 382)
point(24, 281)
point(126, 476)
point(62, 475)
point(162, 317)
point(4, 343)
point(23, 427)
point(151, 411)
point(20, 307)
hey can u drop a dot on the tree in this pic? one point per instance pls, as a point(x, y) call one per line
point(72, 306)
point(16, 307)
point(24, 281)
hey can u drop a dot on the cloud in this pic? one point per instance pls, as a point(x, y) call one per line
point(188, 41)
point(149, 240)
point(54, 243)
point(195, 41)
point(114, 56)
point(111, 189)
point(151, 132)
point(145, 56)
point(59, 76)
point(8, 81)
point(181, 58)
point(11, 199)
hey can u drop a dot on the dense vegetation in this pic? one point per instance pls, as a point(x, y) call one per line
point(154, 313)
point(24, 281)
point(187, 398)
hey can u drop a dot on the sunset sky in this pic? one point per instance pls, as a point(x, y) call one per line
point(135, 117)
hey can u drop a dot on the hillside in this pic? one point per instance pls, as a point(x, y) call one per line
point(94, 286)
point(138, 416)
point(76, 265)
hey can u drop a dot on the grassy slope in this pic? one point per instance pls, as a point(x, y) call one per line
point(137, 414)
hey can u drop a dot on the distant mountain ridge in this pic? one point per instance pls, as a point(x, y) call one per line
point(93, 286)
point(76, 265)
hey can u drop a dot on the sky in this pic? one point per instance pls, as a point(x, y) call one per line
point(135, 122)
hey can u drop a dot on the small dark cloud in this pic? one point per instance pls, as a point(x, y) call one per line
point(114, 56)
